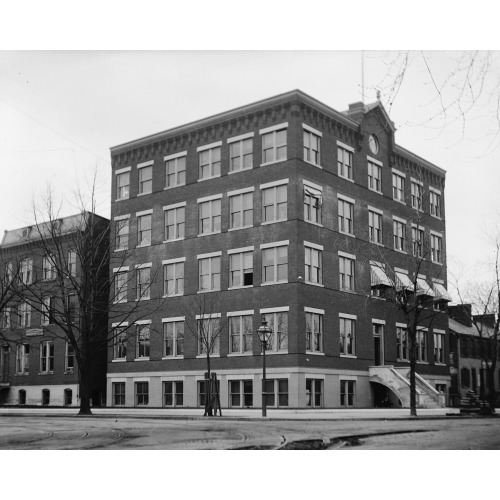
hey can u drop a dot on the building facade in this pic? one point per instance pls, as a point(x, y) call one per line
point(38, 364)
point(286, 210)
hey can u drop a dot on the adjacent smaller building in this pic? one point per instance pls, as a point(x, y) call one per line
point(469, 352)
point(42, 265)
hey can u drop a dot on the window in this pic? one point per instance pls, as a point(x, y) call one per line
point(208, 335)
point(439, 347)
point(120, 342)
point(275, 264)
point(209, 163)
point(241, 154)
point(144, 230)
point(314, 332)
point(416, 195)
point(417, 240)
point(344, 161)
point(346, 272)
point(175, 222)
point(24, 315)
point(241, 210)
point(202, 391)
point(313, 265)
point(173, 279)
point(118, 393)
point(312, 143)
point(22, 359)
point(375, 226)
point(173, 338)
point(121, 282)
point(435, 203)
point(143, 288)
point(313, 200)
point(45, 397)
point(314, 392)
point(26, 271)
point(9, 272)
point(436, 248)
point(240, 268)
point(402, 343)
point(273, 146)
point(346, 216)
point(70, 358)
point(143, 340)
point(398, 187)
point(276, 392)
point(122, 231)
point(278, 322)
point(210, 217)
point(274, 203)
point(122, 185)
point(209, 273)
point(145, 179)
point(240, 393)
point(347, 393)
point(48, 309)
point(72, 263)
point(175, 170)
point(6, 316)
point(46, 356)
point(374, 177)
point(347, 336)
point(48, 267)
point(173, 393)
point(142, 393)
point(72, 308)
point(240, 334)
point(421, 345)
point(399, 228)
point(68, 397)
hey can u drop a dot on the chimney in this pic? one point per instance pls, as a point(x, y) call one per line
point(461, 313)
point(356, 111)
point(486, 319)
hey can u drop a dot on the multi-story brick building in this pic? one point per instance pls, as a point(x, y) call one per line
point(38, 363)
point(290, 210)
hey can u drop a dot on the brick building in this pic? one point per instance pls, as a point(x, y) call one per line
point(38, 365)
point(286, 209)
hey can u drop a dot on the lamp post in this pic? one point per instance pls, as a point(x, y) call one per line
point(264, 332)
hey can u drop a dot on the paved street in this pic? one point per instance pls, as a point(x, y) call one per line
point(41, 429)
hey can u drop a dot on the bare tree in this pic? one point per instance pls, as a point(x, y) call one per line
point(205, 323)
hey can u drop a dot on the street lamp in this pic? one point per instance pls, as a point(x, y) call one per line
point(264, 332)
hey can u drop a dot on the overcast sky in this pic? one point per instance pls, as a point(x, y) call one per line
point(60, 112)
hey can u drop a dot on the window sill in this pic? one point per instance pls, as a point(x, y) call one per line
point(122, 199)
point(142, 359)
point(208, 234)
point(377, 243)
point(174, 239)
point(437, 263)
point(21, 374)
point(346, 178)
point(208, 291)
point(422, 362)
point(240, 287)
point(46, 373)
point(173, 357)
point(209, 178)
point(272, 222)
point(204, 356)
point(173, 187)
point(274, 283)
point(143, 245)
point(143, 298)
point(313, 223)
point(351, 356)
point(68, 372)
point(121, 249)
point(277, 353)
point(400, 251)
point(347, 234)
point(402, 360)
point(119, 302)
point(314, 353)
point(375, 190)
point(273, 162)
point(238, 228)
point(347, 290)
point(235, 354)
point(314, 284)
point(120, 360)
point(144, 194)
point(313, 164)
point(240, 170)
point(173, 295)
point(440, 364)
point(399, 201)
point(436, 217)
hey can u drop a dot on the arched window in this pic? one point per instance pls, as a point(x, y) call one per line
point(45, 397)
point(68, 397)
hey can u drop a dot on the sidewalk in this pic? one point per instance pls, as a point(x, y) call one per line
point(241, 414)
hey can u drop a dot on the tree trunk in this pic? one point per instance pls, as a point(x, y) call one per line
point(412, 333)
point(85, 392)
point(490, 376)
point(208, 392)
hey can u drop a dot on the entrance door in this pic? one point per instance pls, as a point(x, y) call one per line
point(378, 344)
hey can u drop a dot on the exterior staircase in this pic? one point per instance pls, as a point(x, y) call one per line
point(397, 379)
